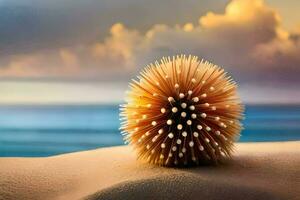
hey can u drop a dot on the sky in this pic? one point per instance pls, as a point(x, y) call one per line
point(75, 51)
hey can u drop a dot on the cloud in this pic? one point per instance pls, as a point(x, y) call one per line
point(280, 56)
point(68, 58)
point(119, 48)
point(247, 39)
point(31, 25)
point(115, 56)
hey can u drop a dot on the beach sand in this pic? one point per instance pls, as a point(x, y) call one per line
point(257, 171)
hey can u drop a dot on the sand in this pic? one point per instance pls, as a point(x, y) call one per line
point(257, 171)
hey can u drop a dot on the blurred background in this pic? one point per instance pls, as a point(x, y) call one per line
point(65, 65)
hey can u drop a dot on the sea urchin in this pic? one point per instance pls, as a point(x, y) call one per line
point(182, 111)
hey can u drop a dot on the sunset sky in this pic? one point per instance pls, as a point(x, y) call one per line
point(70, 51)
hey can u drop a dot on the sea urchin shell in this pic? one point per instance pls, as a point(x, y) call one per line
point(182, 111)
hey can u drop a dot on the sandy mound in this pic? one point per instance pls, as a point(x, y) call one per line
point(258, 171)
point(181, 186)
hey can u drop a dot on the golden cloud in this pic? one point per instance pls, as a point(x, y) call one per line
point(118, 49)
point(247, 39)
point(68, 58)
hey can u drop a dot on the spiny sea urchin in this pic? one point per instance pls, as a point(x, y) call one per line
point(182, 111)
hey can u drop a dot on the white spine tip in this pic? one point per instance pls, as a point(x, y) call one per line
point(178, 141)
point(189, 122)
point(176, 85)
point(213, 108)
point(183, 105)
point(160, 131)
point(194, 116)
point(162, 110)
point(204, 95)
point(203, 115)
point(196, 134)
point(201, 148)
point(192, 107)
point(196, 99)
point(180, 155)
point(154, 139)
point(174, 109)
point(217, 118)
point(184, 133)
point(183, 149)
point(179, 126)
point(163, 145)
point(183, 114)
point(199, 127)
point(169, 121)
point(203, 82)
point(170, 135)
point(208, 128)
point(170, 99)
point(206, 104)
point(193, 80)
point(181, 95)
point(191, 143)
point(207, 140)
point(174, 148)
point(218, 132)
point(211, 88)
point(190, 92)
point(154, 123)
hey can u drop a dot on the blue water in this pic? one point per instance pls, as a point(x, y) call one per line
point(50, 130)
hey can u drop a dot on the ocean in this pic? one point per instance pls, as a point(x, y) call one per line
point(32, 131)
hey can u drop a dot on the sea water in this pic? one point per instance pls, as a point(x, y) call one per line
point(50, 130)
